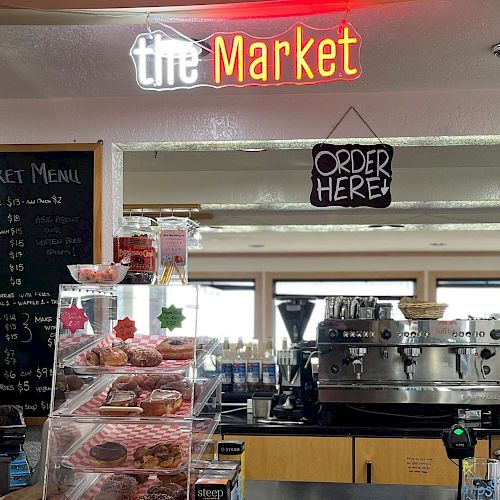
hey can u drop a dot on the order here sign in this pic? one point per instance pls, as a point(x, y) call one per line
point(351, 175)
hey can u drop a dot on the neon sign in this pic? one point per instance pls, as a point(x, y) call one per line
point(300, 56)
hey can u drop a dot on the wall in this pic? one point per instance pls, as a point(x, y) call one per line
point(232, 115)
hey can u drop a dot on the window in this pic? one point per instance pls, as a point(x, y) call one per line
point(478, 298)
point(234, 311)
point(386, 290)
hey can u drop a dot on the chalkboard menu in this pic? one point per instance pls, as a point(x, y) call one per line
point(49, 217)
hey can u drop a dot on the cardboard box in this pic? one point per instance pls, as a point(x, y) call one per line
point(212, 488)
point(234, 451)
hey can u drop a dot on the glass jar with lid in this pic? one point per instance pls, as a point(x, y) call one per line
point(173, 243)
point(137, 242)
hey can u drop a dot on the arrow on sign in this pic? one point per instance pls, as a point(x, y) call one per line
point(385, 188)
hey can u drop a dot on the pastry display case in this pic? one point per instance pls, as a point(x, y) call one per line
point(136, 391)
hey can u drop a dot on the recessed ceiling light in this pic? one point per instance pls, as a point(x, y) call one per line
point(496, 49)
point(437, 244)
point(254, 150)
point(385, 226)
point(256, 245)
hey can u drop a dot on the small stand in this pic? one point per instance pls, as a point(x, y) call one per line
point(459, 442)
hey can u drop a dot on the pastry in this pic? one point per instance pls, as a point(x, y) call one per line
point(108, 495)
point(177, 348)
point(142, 356)
point(140, 478)
point(126, 383)
point(161, 402)
point(157, 496)
point(120, 483)
point(122, 399)
point(126, 348)
point(184, 386)
point(172, 489)
point(110, 356)
point(162, 455)
point(180, 478)
point(107, 454)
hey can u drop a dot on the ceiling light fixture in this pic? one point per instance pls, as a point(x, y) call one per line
point(437, 244)
point(254, 150)
point(496, 49)
point(386, 226)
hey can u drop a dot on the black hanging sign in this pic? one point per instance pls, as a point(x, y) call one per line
point(351, 175)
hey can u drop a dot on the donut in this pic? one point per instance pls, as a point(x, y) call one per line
point(142, 356)
point(107, 454)
point(172, 489)
point(177, 348)
point(121, 483)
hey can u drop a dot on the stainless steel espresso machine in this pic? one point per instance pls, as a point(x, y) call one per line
point(424, 367)
point(297, 388)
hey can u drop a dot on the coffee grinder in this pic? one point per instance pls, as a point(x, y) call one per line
point(297, 388)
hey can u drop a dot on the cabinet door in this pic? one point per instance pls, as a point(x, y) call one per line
point(495, 445)
point(297, 458)
point(407, 461)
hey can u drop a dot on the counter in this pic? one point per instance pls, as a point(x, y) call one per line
point(271, 490)
point(240, 424)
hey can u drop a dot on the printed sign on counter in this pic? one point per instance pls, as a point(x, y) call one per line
point(351, 175)
point(49, 217)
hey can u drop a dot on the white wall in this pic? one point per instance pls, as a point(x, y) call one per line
point(247, 115)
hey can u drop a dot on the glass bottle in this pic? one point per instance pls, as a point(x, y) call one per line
point(269, 367)
point(227, 366)
point(136, 242)
point(173, 257)
point(240, 368)
point(254, 367)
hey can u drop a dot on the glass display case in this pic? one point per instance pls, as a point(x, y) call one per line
point(136, 391)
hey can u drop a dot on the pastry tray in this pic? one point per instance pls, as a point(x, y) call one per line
point(142, 489)
point(205, 346)
point(86, 406)
point(134, 435)
point(131, 436)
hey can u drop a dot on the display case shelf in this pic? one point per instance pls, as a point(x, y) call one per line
point(80, 390)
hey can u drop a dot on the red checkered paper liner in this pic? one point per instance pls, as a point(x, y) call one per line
point(131, 436)
point(150, 342)
point(91, 407)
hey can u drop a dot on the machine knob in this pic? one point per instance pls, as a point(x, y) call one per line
point(333, 333)
point(495, 334)
point(386, 334)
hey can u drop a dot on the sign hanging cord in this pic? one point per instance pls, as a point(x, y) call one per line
point(352, 108)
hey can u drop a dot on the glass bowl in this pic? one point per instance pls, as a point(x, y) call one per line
point(108, 274)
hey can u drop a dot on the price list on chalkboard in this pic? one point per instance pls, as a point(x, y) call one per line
point(46, 222)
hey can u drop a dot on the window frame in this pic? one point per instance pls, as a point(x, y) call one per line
point(235, 276)
point(270, 278)
point(435, 276)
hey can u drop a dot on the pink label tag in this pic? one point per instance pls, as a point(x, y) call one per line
point(173, 247)
point(73, 318)
point(125, 329)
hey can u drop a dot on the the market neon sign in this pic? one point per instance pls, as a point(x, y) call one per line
point(302, 55)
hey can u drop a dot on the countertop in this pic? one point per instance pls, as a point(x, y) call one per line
point(271, 490)
point(238, 423)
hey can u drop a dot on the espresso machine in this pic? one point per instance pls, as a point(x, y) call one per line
point(413, 367)
point(297, 395)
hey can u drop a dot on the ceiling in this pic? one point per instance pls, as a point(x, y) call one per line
point(419, 45)
point(471, 225)
point(296, 159)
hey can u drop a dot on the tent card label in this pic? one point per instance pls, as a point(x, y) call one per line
point(301, 55)
point(351, 175)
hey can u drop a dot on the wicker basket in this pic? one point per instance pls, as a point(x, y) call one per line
point(416, 309)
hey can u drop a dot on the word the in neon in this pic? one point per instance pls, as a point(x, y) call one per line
point(301, 55)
